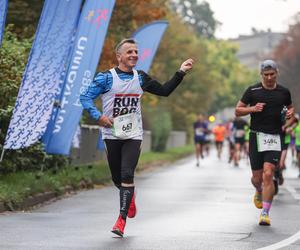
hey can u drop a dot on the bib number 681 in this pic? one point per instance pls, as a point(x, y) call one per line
point(127, 127)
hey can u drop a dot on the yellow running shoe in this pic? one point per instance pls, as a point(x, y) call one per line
point(264, 220)
point(257, 200)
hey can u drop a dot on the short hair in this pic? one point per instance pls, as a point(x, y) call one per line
point(126, 40)
point(267, 65)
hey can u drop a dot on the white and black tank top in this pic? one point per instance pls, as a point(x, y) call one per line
point(124, 97)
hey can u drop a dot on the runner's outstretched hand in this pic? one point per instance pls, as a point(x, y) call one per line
point(187, 65)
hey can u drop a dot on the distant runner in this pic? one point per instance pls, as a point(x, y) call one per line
point(219, 132)
point(297, 142)
point(200, 131)
point(239, 133)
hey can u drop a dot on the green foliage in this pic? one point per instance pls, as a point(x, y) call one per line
point(287, 55)
point(197, 15)
point(31, 158)
point(195, 93)
point(24, 14)
point(170, 155)
point(231, 78)
point(13, 57)
point(161, 126)
point(217, 80)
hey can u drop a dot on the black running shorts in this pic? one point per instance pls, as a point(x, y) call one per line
point(257, 159)
point(199, 140)
point(239, 140)
point(285, 146)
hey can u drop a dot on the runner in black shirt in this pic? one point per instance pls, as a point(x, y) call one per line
point(265, 101)
point(239, 132)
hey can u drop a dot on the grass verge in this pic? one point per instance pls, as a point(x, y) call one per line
point(16, 187)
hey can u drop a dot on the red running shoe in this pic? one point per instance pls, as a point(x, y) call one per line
point(119, 226)
point(132, 207)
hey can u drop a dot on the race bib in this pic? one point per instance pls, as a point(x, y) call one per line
point(239, 133)
point(127, 126)
point(267, 142)
point(199, 132)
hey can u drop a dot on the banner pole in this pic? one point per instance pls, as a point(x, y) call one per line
point(2, 154)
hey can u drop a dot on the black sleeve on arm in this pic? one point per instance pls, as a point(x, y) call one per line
point(288, 99)
point(246, 98)
point(154, 87)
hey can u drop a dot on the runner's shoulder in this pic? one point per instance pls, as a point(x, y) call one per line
point(102, 75)
point(255, 87)
point(144, 76)
point(103, 79)
point(283, 88)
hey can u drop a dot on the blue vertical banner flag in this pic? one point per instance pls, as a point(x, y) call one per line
point(88, 45)
point(3, 10)
point(148, 38)
point(40, 84)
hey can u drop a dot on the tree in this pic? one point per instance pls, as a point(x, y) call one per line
point(24, 14)
point(231, 77)
point(124, 22)
point(287, 55)
point(177, 45)
point(216, 81)
point(197, 15)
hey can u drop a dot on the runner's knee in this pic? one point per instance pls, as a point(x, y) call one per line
point(268, 175)
point(117, 182)
point(127, 177)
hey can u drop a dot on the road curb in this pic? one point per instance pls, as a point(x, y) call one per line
point(41, 198)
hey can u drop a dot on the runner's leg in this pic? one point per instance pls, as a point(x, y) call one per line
point(113, 154)
point(130, 155)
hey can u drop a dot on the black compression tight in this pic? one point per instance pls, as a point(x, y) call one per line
point(122, 156)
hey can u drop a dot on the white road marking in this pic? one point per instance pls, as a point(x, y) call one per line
point(282, 243)
point(294, 237)
point(293, 192)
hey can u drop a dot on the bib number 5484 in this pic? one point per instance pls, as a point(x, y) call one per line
point(268, 142)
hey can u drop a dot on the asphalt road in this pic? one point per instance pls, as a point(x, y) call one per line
point(179, 207)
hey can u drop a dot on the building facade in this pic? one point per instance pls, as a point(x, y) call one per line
point(256, 47)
